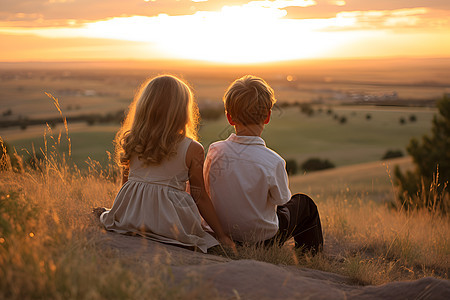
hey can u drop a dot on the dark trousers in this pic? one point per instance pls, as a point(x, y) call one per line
point(299, 218)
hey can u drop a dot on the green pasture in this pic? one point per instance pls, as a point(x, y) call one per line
point(82, 93)
point(291, 133)
point(84, 145)
point(296, 136)
point(367, 181)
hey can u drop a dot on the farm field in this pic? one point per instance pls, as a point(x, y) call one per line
point(290, 133)
point(296, 136)
point(84, 88)
point(365, 136)
point(364, 182)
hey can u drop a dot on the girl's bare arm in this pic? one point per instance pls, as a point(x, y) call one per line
point(194, 160)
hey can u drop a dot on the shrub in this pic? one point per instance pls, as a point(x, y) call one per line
point(210, 113)
point(368, 117)
point(392, 154)
point(291, 166)
point(316, 164)
point(7, 112)
point(283, 104)
point(343, 120)
point(426, 186)
point(402, 121)
point(412, 118)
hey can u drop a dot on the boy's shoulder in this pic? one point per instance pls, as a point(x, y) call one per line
point(261, 154)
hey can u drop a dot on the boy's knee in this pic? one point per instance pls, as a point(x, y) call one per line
point(305, 199)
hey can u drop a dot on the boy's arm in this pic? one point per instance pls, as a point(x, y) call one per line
point(279, 186)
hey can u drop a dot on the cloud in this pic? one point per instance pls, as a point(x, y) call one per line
point(240, 31)
point(54, 12)
point(409, 19)
point(50, 13)
point(330, 8)
point(216, 36)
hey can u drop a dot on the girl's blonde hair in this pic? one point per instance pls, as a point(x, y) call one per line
point(162, 113)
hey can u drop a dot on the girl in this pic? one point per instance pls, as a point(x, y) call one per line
point(156, 147)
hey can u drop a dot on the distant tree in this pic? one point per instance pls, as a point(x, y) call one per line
point(343, 120)
point(392, 154)
point(368, 117)
point(90, 121)
point(7, 112)
point(211, 113)
point(316, 164)
point(412, 118)
point(402, 121)
point(291, 166)
point(307, 109)
point(426, 186)
point(283, 104)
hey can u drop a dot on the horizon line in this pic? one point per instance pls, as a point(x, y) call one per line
point(203, 62)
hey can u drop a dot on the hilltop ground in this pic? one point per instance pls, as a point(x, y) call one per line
point(51, 246)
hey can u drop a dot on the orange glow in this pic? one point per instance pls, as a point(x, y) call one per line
point(258, 31)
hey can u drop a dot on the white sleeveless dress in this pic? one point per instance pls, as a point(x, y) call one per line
point(154, 203)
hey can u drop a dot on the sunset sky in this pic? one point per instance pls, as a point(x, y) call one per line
point(222, 31)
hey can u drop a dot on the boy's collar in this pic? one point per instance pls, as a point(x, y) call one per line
point(246, 140)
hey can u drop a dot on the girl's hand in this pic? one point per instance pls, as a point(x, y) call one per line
point(228, 243)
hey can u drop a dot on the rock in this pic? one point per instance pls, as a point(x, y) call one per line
point(250, 279)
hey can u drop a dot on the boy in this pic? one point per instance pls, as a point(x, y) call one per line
point(247, 181)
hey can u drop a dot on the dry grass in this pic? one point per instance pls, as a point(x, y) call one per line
point(50, 244)
point(374, 244)
point(371, 244)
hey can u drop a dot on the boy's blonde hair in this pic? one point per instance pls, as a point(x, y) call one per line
point(162, 113)
point(248, 100)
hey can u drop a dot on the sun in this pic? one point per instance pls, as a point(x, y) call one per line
point(235, 34)
point(232, 35)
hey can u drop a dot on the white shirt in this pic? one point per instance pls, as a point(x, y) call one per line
point(246, 181)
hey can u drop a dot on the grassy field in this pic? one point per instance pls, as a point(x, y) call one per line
point(90, 88)
point(372, 181)
point(297, 136)
point(292, 134)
